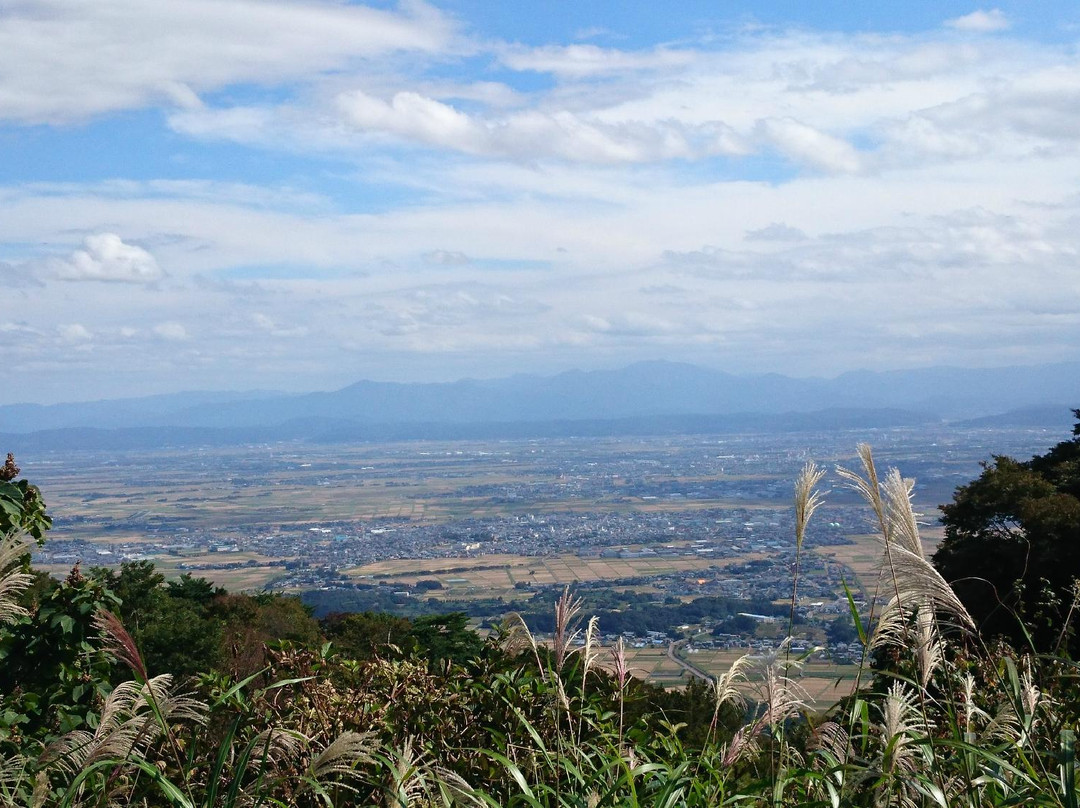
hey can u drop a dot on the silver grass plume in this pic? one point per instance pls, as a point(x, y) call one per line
point(899, 759)
point(14, 771)
point(725, 686)
point(1014, 721)
point(407, 777)
point(173, 707)
point(974, 716)
point(516, 637)
point(929, 651)
point(1030, 696)
point(454, 790)
point(117, 640)
point(116, 735)
point(903, 527)
point(743, 743)
point(567, 608)
point(339, 760)
point(342, 755)
point(785, 697)
point(619, 663)
point(279, 746)
point(131, 720)
point(1004, 726)
point(590, 652)
point(833, 740)
point(917, 585)
point(13, 578)
point(807, 498)
point(782, 696)
point(867, 485)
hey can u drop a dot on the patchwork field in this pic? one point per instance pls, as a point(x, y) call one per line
point(496, 574)
point(535, 512)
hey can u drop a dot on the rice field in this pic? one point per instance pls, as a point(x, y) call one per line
point(494, 574)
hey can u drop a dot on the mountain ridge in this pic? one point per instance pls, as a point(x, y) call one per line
point(643, 389)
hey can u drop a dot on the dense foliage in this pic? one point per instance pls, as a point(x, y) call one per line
point(1012, 548)
point(21, 505)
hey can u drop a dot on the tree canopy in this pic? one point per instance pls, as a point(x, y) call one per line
point(21, 505)
point(1012, 547)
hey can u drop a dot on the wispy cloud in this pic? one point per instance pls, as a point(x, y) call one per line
point(532, 134)
point(66, 60)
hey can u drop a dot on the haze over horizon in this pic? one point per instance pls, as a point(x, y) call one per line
point(299, 194)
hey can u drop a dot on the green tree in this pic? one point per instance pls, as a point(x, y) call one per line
point(1012, 547)
point(251, 622)
point(21, 505)
point(54, 669)
point(366, 635)
point(446, 636)
point(170, 622)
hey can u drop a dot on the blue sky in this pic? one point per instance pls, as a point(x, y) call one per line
point(295, 194)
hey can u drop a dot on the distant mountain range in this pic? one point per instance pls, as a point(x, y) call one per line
point(644, 398)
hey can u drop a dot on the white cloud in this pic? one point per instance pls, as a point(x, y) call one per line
point(13, 276)
point(980, 21)
point(935, 216)
point(171, 331)
point(447, 258)
point(776, 231)
point(267, 324)
point(65, 60)
point(534, 134)
point(74, 332)
point(831, 103)
point(588, 60)
point(809, 146)
point(105, 257)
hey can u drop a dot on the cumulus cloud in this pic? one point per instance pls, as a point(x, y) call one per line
point(980, 21)
point(105, 257)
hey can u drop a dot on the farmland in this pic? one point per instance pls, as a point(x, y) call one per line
point(489, 526)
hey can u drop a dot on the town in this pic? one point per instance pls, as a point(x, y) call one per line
point(489, 528)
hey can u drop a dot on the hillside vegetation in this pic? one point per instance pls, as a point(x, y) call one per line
point(119, 688)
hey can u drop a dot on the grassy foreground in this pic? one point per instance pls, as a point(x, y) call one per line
point(937, 718)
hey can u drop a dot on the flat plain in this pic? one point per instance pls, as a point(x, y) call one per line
point(672, 517)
